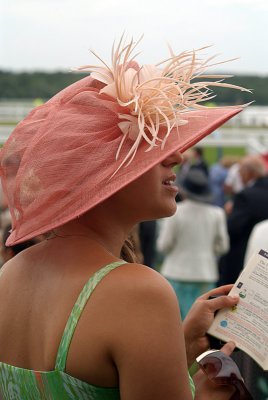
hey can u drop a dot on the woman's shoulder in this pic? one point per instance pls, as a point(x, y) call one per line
point(138, 294)
point(136, 281)
point(143, 328)
point(144, 275)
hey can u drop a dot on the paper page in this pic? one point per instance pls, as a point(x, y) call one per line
point(247, 323)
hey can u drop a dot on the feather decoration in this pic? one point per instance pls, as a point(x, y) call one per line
point(154, 97)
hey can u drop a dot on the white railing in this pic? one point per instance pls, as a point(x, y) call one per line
point(231, 135)
point(15, 111)
point(251, 144)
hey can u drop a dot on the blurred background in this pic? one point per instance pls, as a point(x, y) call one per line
point(41, 41)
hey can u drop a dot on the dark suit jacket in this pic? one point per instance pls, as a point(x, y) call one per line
point(200, 164)
point(250, 207)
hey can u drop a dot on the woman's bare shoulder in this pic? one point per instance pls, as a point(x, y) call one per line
point(134, 276)
point(140, 287)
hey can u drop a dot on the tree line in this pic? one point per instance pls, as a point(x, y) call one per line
point(32, 85)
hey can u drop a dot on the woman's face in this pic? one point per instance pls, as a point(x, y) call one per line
point(152, 195)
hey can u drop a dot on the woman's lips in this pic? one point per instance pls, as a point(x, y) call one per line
point(169, 183)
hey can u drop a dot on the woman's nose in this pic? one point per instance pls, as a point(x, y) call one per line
point(173, 159)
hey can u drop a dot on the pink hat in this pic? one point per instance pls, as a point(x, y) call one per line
point(101, 133)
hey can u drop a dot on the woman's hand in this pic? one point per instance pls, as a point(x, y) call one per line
point(205, 389)
point(200, 317)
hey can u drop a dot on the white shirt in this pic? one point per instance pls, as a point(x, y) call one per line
point(233, 178)
point(258, 239)
point(191, 240)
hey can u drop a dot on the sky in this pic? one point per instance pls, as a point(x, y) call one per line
point(55, 35)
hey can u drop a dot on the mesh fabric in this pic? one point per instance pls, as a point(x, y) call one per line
point(59, 160)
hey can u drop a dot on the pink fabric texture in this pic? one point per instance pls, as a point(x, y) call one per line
point(59, 160)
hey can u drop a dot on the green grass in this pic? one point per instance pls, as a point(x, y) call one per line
point(8, 123)
point(211, 154)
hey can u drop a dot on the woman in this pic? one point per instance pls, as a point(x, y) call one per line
point(77, 168)
point(191, 248)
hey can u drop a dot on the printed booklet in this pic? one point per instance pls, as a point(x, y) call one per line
point(247, 323)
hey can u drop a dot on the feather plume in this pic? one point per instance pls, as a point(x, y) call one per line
point(155, 96)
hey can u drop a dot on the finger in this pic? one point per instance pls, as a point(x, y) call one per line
point(228, 348)
point(223, 302)
point(219, 290)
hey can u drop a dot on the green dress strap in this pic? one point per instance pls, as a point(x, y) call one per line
point(77, 311)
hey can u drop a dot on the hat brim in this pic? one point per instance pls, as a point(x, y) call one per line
point(200, 124)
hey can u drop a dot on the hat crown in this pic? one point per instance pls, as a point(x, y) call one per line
point(196, 184)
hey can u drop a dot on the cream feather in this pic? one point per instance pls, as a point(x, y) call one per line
point(155, 97)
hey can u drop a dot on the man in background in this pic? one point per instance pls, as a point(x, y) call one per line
point(249, 208)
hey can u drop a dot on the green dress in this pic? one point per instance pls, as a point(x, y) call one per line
point(24, 384)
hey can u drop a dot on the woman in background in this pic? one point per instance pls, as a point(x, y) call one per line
point(191, 240)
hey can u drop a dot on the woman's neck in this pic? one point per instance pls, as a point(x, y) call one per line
point(108, 234)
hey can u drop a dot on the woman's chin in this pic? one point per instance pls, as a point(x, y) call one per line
point(169, 210)
point(159, 210)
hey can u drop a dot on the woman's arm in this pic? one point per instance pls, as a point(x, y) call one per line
point(148, 341)
point(148, 346)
